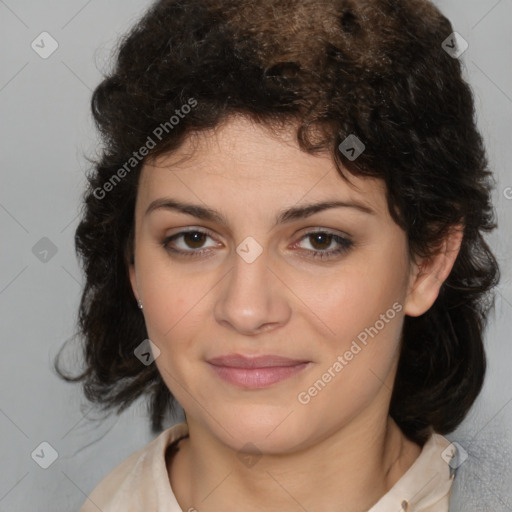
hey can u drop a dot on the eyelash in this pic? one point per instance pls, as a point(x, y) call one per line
point(345, 245)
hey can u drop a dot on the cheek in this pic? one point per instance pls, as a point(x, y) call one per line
point(171, 312)
point(171, 296)
point(364, 314)
point(362, 306)
point(355, 298)
point(172, 321)
point(175, 322)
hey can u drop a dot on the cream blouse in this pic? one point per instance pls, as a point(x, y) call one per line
point(141, 482)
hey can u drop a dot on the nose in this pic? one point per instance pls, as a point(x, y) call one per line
point(252, 297)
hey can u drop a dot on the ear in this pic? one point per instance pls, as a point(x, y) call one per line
point(429, 274)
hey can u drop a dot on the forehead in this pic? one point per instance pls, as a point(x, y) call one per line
point(251, 160)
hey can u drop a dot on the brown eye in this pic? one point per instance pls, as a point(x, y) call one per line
point(194, 239)
point(320, 241)
point(188, 243)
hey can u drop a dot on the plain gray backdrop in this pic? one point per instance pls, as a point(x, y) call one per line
point(46, 133)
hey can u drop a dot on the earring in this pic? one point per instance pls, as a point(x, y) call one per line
point(139, 303)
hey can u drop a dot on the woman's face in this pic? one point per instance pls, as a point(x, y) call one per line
point(251, 278)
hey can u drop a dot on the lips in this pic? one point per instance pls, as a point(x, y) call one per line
point(239, 361)
point(255, 371)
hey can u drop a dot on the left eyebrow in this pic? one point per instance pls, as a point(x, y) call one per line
point(301, 212)
point(288, 215)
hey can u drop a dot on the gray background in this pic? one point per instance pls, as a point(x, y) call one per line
point(46, 132)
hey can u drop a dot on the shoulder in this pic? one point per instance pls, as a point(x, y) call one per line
point(141, 480)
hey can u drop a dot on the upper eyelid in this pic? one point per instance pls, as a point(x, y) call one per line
point(314, 229)
point(311, 230)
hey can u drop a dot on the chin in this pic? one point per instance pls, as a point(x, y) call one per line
point(269, 429)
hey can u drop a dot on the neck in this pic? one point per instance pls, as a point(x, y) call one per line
point(350, 469)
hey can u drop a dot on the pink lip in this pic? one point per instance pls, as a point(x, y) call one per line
point(255, 372)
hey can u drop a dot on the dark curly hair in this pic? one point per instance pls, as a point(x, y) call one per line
point(372, 68)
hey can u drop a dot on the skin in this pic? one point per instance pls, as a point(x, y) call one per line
point(341, 451)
